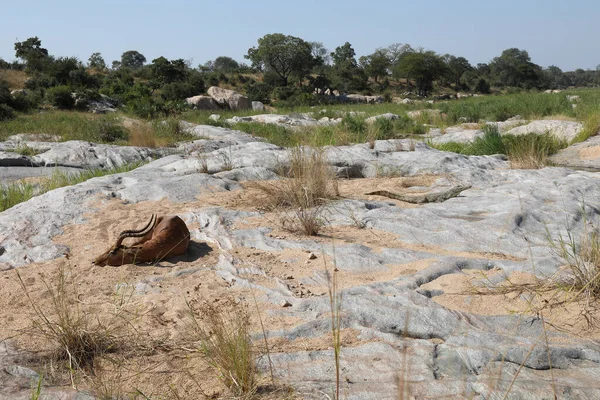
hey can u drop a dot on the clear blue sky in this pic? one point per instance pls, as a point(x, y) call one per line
point(563, 33)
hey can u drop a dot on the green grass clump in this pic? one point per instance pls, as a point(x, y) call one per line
point(490, 143)
point(25, 150)
point(14, 193)
point(276, 134)
point(500, 108)
point(529, 151)
point(171, 129)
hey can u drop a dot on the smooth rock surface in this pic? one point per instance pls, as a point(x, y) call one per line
point(202, 102)
point(562, 130)
point(229, 98)
point(503, 222)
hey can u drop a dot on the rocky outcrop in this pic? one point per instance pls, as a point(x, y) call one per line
point(562, 130)
point(388, 116)
point(258, 106)
point(428, 112)
point(75, 154)
point(292, 120)
point(229, 98)
point(584, 155)
point(202, 103)
point(359, 98)
point(393, 287)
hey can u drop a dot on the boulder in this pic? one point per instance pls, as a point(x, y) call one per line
point(428, 112)
point(258, 106)
point(562, 130)
point(359, 98)
point(388, 116)
point(202, 103)
point(214, 117)
point(229, 98)
point(18, 92)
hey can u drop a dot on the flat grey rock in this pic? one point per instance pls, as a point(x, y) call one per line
point(502, 222)
point(563, 130)
point(584, 155)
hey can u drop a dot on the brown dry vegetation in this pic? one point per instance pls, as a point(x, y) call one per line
point(15, 79)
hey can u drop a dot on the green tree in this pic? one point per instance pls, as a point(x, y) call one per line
point(32, 52)
point(320, 53)
point(514, 68)
point(283, 56)
point(225, 64)
point(377, 64)
point(423, 66)
point(395, 52)
point(346, 75)
point(132, 59)
point(483, 86)
point(97, 62)
point(556, 78)
point(456, 67)
point(164, 71)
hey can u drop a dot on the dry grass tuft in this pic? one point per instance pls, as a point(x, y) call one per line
point(308, 183)
point(581, 275)
point(577, 282)
point(75, 335)
point(531, 151)
point(224, 334)
point(142, 135)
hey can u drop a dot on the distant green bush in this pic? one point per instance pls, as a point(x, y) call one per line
point(24, 102)
point(354, 123)
point(259, 91)
point(6, 112)
point(108, 129)
point(61, 97)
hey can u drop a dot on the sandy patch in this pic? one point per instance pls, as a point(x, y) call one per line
point(590, 153)
point(469, 291)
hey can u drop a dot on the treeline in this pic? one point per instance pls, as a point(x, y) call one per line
point(282, 68)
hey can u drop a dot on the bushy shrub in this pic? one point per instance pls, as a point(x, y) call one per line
point(483, 86)
point(61, 97)
point(144, 108)
point(179, 91)
point(259, 91)
point(25, 102)
point(6, 112)
point(354, 124)
point(39, 82)
point(4, 92)
point(283, 92)
point(108, 129)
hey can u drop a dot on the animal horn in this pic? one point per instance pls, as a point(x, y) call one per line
point(137, 233)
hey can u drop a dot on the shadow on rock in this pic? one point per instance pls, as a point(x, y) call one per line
point(195, 251)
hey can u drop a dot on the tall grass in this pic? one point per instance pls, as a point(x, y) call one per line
point(500, 108)
point(335, 302)
point(307, 183)
point(582, 259)
point(69, 125)
point(77, 337)
point(531, 151)
point(72, 125)
point(14, 193)
point(224, 334)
